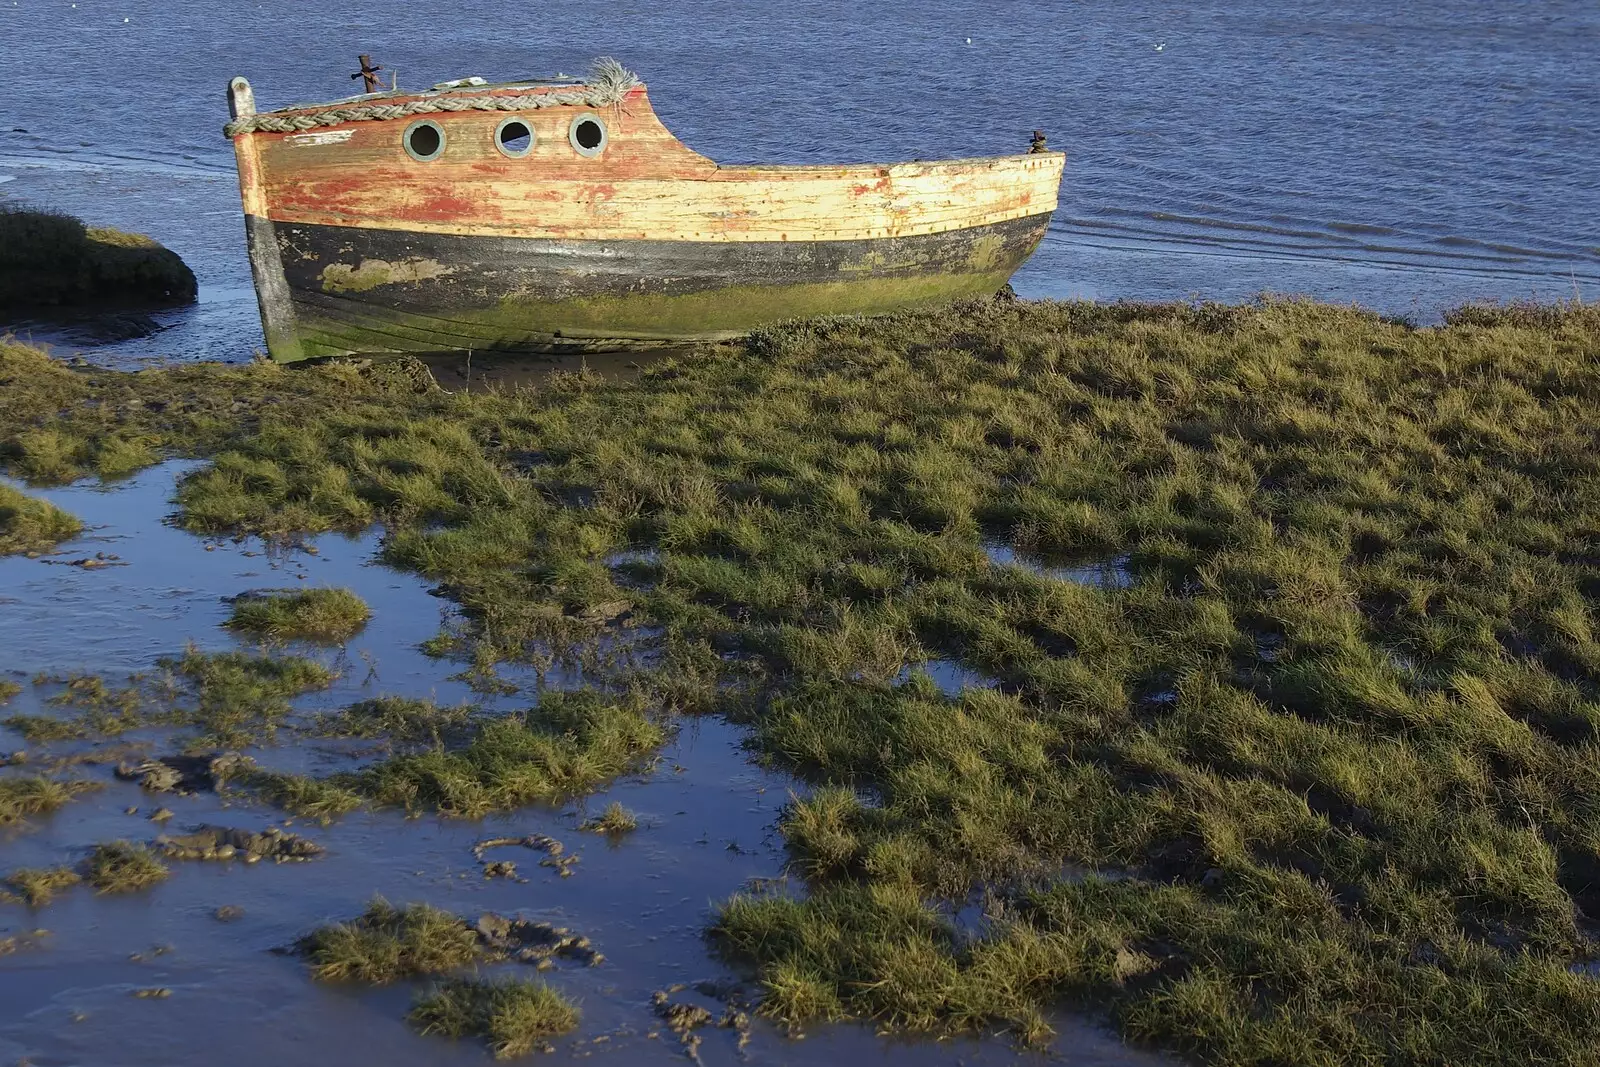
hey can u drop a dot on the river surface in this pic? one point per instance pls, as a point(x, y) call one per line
point(1408, 157)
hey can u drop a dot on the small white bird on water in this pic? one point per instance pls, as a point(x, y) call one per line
point(1161, 47)
point(969, 40)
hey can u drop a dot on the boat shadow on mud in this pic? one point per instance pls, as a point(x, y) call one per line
point(508, 370)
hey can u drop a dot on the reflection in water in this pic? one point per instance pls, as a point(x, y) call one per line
point(86, 331)
point(1109, 573)
point(950, 676)
point(707, 817)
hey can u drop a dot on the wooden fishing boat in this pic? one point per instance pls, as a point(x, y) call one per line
point(558, 216)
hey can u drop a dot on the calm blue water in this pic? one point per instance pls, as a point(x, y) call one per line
point(1409, 157)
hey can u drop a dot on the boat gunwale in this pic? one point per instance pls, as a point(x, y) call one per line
point(511, 88)
point(721, 171)
point(892, 169)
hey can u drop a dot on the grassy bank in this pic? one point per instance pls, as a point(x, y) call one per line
point(50, 260)
point(32, 526)
point(1279, 743)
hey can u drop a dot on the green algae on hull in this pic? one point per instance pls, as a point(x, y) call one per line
point(409, 292)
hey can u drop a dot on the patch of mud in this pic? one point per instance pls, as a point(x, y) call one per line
point(556, 855)
point(20, 942)
point(531, 941)
point(634, 568)
point(684, 1017)
point(184, 774)
point(491, 370)
point(225, 843)
point(1269, 646)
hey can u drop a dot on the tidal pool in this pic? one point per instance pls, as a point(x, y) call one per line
point(706, 828)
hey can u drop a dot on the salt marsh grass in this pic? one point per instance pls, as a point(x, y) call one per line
point(386, 944)
point(121, 867)
point(38, 886)
point(1328, 741)
point(615, 821)
point(332, 616)
point(512, 1016)
point(34, 794)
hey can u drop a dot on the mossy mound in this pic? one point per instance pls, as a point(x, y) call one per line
point(51, 260)
point(332, 616)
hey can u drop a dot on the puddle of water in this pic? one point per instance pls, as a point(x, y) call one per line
point(707, 826)
point(1403, 662)
point(172, 590)
point(1109, 573)
point(634, 568)
point(1269, 647)
point(951, 676)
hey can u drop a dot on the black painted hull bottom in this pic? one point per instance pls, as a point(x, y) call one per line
point(333, 291)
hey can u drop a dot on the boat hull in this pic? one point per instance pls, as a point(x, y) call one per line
point(365, 241)
point(374, 291)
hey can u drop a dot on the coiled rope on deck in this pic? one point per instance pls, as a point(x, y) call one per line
point(608, 82)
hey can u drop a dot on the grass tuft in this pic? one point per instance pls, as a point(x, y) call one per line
point(38, 885)
point(386, 944)
point(242, 699)
point(564, 747)
point(121, 867)
point(302, 795)
point(513, 1017)
point(333, 616)
point(615, 821)
point(32, 526)
point(25, 795)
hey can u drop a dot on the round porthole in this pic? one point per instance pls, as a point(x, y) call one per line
point(423, 140)
point(514, 138)
point(588, 135)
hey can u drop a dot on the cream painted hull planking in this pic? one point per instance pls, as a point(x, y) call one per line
point(550, 217)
